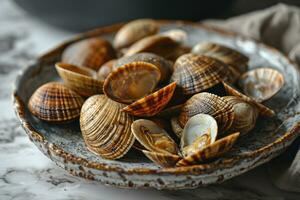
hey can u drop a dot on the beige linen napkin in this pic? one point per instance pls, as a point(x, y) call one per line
point(278, 26)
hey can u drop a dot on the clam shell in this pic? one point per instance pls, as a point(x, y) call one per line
point(213, 150)
point(263, 110)
point(153, 137)
point(105, 129)
point(227, 55)
point(195, 73)
point(177, 129)
point(131, 82)
point(245, 115)
point(164, 160)
point(106, 69)
point(262, 83)
point(165, 66)
point(177, 35)
point(91, 53)
point(152, 104)
point(134, 31)
point(200, 131)
point(80, 79)
point(157, 44)
point(55, 102)
point(211, 104)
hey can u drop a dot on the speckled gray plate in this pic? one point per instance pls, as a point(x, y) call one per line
point(64, 145)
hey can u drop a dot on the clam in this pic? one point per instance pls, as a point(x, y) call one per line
point(195, 73)
point(80, 79)
point(134, 31)
point(178, 35)
point(152, 104)
point(157, 44)
point(263, 110)
point(262, 83)
point(105, 129)
point(177, 129)
point(91, 53)
point(55, 102)
point(245, 115)
point(162, 159)
point(227, 55)
point(211, 104)
point(200, 131)
point(106, 69)
point(165, 66)
point(131, 82)
point(153, 137)
point(213, 150)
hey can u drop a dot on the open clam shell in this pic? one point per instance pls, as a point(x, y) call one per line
point(153, 137)
point(245, 115)
point(227, 55)
point(262, 83)
point(165, 66)
point(213, 150)
point(134, 31)
point(91, 53)
point(263, 110)
point(200, 131)
point(195, 73)
point(105, 129)
point(211, 104)
point(80, 79)
point(55, 102)
point(164, 160)
point(152, 104)
point(106, 69)
point(131, 82)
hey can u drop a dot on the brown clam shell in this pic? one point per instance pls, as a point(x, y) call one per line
point(195, 73)
point(213, 150)
point(80, 79)
point(157, 44)
point(55, 102)
point(152, 104)
point(262, 83)
point(263, 110)
point(134, 31)
point(153, 137)
point(164, 160)
point(131, 82)
point(177, 129)
point(106, 69)
point(91, 53)
point(211, 104)
point(105, 129)
point(165, 66)
point(227, 55)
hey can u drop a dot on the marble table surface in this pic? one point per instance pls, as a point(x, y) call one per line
point(25, 173)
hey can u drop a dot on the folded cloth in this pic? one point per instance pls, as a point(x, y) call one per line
point(278, 26)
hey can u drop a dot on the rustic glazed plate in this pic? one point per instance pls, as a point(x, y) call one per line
point(64, 144)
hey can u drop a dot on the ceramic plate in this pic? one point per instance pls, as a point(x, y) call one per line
point(64, 144)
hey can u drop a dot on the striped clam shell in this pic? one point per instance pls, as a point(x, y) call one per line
point(262, 83)
point(153, 137)
point(80, 79)
point(210, 104)
point(131, 82)
point(263, 110)
point(105, 129)
point(245, 115)
point(165, 66)
point(164, 160)
point(55, 102)
point(195, 73)
point(106, 69)
point(152, 104)
point(213, 150)
point(91, 53)
point(134, 31)
point(227, 55)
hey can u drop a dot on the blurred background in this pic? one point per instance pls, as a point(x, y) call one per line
point(78, 15)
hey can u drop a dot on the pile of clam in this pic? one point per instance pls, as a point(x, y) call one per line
point(148, 90)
